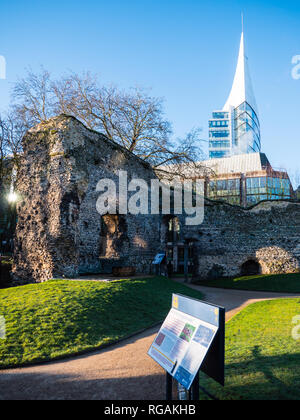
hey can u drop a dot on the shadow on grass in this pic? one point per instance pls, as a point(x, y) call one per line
point(260, 378)
point(278, 283)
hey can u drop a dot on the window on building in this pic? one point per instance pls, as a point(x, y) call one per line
point(226, 189)
point(217, 154)
point(220, 115)
point(222, 144)
point(218, 134)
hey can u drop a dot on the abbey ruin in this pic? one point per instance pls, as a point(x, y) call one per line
point(60, 233)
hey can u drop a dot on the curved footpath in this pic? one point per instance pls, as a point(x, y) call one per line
point(122, 371)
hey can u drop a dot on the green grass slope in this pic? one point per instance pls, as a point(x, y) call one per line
point(262, 357)
point(63, 317)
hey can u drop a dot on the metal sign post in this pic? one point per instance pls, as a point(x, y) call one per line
point(191, 339)
point(157, 262)
point(169, 387)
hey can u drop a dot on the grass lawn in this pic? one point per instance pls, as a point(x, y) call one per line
point(262, 358)
point(282, 283)
point(63, 317)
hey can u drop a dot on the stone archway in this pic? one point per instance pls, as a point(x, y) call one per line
point(251, 268)
point(171, 228)
point(114, 237)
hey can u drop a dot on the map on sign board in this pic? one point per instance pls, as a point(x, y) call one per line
point(182, 344)
point(158, 259)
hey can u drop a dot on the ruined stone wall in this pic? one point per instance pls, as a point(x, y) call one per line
point(268, 234)
point(61, 234)
point(59, 231)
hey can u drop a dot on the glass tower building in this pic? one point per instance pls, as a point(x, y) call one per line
point(235, 129)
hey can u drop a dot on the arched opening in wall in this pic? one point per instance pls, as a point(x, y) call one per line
point(114, 239)
point(170, 236)
point(171, 229)
point(250, 268)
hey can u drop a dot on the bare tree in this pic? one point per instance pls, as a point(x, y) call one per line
point(11, 134)
point(76, 95)
point(133, 119)
point(14, 131)
point(295, 178)
point(33, 98)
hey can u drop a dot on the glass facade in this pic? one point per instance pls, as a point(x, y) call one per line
point(270, 188)
point(252, 189)
point(217, 155)
point(246, 129)
point(219, 144)
point(228, 190)
point(216, 124)
point(239, 114)
point(220, 115)
point(240, 128)
point(219, 135)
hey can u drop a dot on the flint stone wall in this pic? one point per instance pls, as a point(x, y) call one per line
point(61, 234)
point(59, 231)
point(230, 236)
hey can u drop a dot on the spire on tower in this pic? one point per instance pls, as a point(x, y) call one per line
point(242, 89)
point(236, 129)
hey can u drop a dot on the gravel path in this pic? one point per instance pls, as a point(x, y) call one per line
point(122, 371)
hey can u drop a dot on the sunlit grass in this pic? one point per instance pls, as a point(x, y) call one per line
point(63, 317)
point(262, 358)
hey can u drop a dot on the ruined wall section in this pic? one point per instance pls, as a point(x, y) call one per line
point(60, 233)
point(127, 240)
point(230, 236)
point(59, 229)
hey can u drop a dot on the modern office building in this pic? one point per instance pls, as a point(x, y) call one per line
point(235, 129)
point(246, 180)
point(242, 174)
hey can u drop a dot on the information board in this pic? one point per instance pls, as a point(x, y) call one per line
point(185, 338)
point(158, 258)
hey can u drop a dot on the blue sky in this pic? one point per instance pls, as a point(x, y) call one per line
point(184, 50)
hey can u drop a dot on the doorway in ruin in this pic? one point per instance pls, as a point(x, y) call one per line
point(114, 239)
point(170, 229)
point(180, 251)
point(251, 268)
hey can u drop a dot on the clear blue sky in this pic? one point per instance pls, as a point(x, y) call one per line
point(185, 50)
